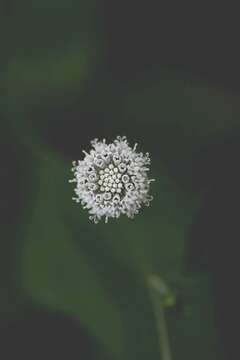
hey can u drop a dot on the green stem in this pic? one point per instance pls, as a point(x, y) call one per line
point(158, 292)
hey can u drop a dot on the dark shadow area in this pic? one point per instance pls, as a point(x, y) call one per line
point(42, 334)
point(192, 37)
point(214, 241)
point(17, 183)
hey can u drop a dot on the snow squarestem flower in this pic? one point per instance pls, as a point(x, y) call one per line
point(112, 180)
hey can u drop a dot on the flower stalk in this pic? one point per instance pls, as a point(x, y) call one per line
point(161, 297)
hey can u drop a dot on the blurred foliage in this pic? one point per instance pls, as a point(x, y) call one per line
point(54, 271)
point(57, 73)
point(53, 104)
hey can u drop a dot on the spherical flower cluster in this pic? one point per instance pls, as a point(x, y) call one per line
point(112, 179)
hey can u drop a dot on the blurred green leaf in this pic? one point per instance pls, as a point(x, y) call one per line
point(55, 73)
point(54, 271)
point(53, 51)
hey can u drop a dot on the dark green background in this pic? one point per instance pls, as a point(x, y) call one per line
point(167, 77)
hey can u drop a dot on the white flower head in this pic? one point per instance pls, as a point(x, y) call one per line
point(112, 180)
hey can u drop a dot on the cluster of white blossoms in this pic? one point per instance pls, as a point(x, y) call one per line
point(112, 180)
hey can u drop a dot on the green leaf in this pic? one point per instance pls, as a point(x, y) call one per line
point(52, 52)
point(54, 73)
point(54, 271)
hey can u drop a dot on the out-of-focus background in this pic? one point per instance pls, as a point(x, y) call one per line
point(167, 76)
